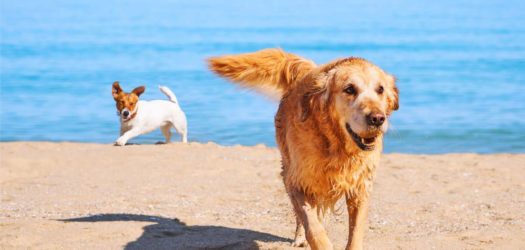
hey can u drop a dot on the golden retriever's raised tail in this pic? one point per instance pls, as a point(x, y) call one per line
point(270, 71)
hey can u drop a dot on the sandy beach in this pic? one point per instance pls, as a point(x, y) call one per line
point(207, 196)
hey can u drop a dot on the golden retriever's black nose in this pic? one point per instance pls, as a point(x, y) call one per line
point(375, 119)
point(125, 113)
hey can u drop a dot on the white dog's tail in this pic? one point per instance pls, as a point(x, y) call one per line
point(168, 93)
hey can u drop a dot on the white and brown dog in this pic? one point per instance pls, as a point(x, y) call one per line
point(141, 117)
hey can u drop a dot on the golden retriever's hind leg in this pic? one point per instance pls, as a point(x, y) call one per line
point(300, 236)
point(314, 230)
point(357, 215)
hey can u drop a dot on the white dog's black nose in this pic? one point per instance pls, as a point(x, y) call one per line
point(125, 113)
point(375, 119)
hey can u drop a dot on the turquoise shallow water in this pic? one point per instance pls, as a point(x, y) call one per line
point(460, 65)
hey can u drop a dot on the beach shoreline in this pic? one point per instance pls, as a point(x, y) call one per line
point(186, 196)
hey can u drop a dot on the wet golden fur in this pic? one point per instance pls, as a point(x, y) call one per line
point(321, 162)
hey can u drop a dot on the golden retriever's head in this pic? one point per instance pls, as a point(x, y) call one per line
point(357, 95)
point(126, 102)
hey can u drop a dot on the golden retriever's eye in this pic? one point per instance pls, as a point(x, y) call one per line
point(350, 90)
point(380, 90)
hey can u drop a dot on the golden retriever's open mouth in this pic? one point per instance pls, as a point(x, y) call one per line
point(365, 144)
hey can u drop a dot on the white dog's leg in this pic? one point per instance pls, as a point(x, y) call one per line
point(166, 132)
point(185, 136)
point(122, 140)
point(182, 131)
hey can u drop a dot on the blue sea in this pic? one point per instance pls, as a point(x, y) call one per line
point(460, 66)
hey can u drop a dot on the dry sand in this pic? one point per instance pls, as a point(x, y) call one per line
point(206, 196)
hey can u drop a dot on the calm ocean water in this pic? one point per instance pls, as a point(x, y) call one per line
point(460, 65)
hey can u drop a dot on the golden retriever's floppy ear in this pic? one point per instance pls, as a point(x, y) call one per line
point(116, 89)
point(138, 90)
point(316, 95)
point(393, 96)
point(311, 100)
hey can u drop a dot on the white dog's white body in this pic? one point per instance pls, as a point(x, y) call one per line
point(150, 115)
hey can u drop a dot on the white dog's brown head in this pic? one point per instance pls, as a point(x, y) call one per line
point(126, 102)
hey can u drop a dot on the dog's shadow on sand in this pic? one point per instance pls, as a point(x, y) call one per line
point(168, 233)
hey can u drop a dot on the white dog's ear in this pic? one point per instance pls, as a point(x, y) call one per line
point(116, 89)
point(138, 90)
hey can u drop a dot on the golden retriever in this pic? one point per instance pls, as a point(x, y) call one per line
point(329, 129)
